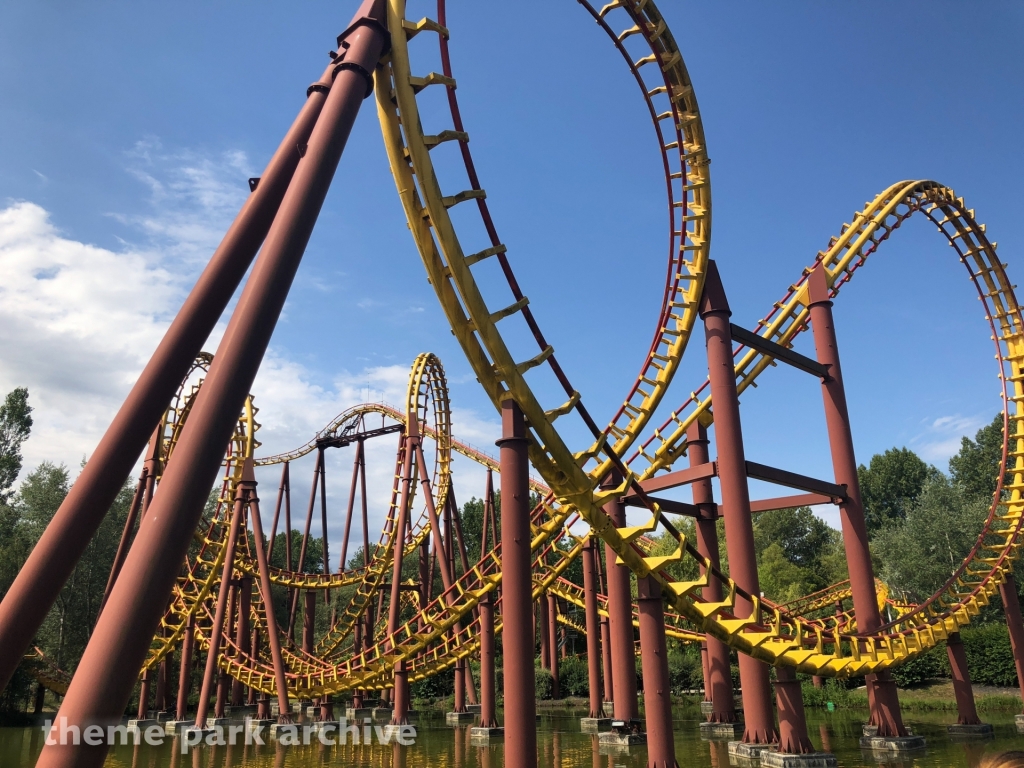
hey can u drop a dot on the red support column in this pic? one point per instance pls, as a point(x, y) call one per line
point(552, 607)
point(661, 751)
point(718, 674)
point(759, 721)
point(793, 739)
point(401, 689)
point(967, 712)
point(620, 614)
point(120, 640)
point(1014, 623)
point(545, 635)
point(487, 704)
point(242, 633)
point(517, 587)
point(593, 627)
point(185, 673)
point(143, 709)
point(885, 704)
point(606, 635)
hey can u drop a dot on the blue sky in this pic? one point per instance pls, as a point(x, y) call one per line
point(129, 130)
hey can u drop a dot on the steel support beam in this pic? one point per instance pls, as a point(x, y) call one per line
point(517, 588)
point(885, 704)
point(759, 721)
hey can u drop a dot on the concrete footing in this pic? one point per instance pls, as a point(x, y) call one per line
point(707, 707)
point(1019, 720)
point(473, 708)
point(746, 751)
point(976, 731)
point(382, 713)
point(141, 725)
point(479, 735)
point(620, 739)
point(811, 760)
point(609, 708)
point(595, 724)
point(358, 713)
point(253, 723)
point(176, 726)
point(392, 732)
point(892, 744)
point(714, 731)
point(459, 718)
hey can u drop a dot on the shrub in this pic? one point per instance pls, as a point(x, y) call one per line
point(543, 683)
point(436, 687)
point(921, 668)
point(573, 677)
point(989, 656)
point(684, 671)
point(834, 691)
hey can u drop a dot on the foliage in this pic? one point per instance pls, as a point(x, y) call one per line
point(989, 656)
point(684, 668)
point(919, 553)
point(798, 553)
point(921, 669)
point(544, 683)
point(975, 469)
point(834, 691)
point(15, 426)
point(890, 484)
point(573, 676)
point(436, 687)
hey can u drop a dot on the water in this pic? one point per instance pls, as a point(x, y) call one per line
point(560, 745)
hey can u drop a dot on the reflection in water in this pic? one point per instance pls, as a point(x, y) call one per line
point(559, 745)
point(826, 743)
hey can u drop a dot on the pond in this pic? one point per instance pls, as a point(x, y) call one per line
point(560, 745)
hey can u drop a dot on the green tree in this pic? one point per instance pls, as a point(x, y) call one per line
point(890, 485)
point(796, 549)
point(919, 553)
point(15, 426)
point(975, 469)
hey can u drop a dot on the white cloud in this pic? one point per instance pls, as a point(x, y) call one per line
point(940, 438)
point(78, 322)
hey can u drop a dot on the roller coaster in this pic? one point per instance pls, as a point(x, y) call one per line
point(223, 601)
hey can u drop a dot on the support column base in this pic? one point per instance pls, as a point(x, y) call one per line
point(1019, 720)
point(252, 723)
point(480, 735)
point(473, 708)
point(392, 732)
point(974, 731)
point(458, 718)
point(358, 713)
point(810, 760)
point(872, 730)
point(619, 739)
point(176, 726)
point(609, 708)
point(240, 709)
point(718, 731)
point(595, 724)
point(707, 707)
point(745, 751)
point(319, 725)
point(897, 744)
point(277, 730)
point(141, 725)
point(382, 713)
